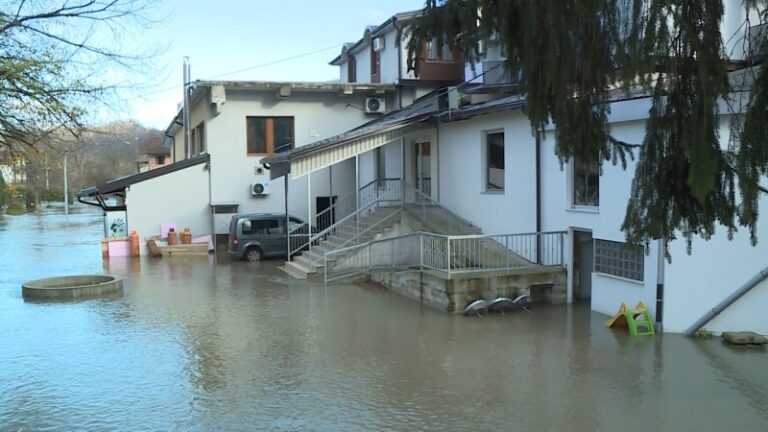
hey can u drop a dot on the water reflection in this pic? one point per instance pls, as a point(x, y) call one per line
point(239, 346)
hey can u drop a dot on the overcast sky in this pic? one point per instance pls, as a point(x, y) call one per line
point(231, 35)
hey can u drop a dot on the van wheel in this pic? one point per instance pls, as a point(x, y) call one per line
point(252, 254)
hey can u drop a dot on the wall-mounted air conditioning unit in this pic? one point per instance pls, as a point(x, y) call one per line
point(378, 44)
point(375, 105)
point(260, 188)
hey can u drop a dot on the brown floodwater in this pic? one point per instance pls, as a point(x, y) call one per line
point(236, 346)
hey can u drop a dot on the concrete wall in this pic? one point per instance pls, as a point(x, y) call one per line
point(180, 197)
point(363, 62)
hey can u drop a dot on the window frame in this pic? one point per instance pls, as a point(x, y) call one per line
point(439, 52)
point(615, 259)
point(351, 69)
point(269, 135)
point(574, 168)
point(486, 161)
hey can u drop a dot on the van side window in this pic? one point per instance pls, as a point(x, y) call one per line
point(263, 226)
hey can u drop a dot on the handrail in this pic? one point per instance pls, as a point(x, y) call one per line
point(448, 254)
point(360, 195)
point(432, 202)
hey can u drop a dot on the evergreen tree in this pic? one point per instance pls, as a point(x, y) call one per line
point(574, 55)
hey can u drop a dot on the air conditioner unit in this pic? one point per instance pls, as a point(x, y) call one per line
point(375, 105)
point(378, 44)
point(260, 189)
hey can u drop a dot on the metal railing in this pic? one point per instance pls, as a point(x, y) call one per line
point(449, 255)
point(433, 215)
point(365, 216)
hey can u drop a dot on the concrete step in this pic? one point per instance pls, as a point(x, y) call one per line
point(303, 261)
point(297, 270)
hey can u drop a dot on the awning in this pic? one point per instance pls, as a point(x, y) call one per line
point(309, 158)
point(119, 184)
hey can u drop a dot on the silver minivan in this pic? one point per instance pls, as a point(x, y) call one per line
point(255, 236)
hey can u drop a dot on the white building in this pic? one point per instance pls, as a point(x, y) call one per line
point(483, 163)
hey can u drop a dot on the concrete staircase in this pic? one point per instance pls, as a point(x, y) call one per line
point(373, 223)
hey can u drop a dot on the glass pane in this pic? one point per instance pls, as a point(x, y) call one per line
point(586, 182)
point(283, 134)
point(495, 161)
point(257, 134)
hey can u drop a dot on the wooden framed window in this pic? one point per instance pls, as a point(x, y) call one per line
point(431, 52)
point(268, 135)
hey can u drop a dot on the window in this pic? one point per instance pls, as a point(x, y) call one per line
point(375, 65)
point(267, 135)
point(160, 160)
point(434, 53)
point(261, 226)
point(586, 182)
point(494, 161)
point(619, 259)
point(197, 139)
point(351, 69)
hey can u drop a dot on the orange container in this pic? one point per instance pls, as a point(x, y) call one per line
point(134, 241)
point(172, 239)
point(186, 236)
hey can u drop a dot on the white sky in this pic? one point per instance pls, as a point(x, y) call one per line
point(230, 35)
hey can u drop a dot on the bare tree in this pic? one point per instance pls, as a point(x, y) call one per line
point(62, 61)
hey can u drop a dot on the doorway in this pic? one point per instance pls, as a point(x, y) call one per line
point(325, 217)
point(423, 167)
point(583, 263)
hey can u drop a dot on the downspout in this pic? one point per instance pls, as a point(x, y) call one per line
point(538, 196)
point(213, 211)
point(751, 283)
point(660, 287)
point(399, 62)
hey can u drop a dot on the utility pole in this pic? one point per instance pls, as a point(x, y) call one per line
point(66, 192)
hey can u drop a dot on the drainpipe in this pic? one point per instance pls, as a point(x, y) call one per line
point(186, 107)
point(538, 196)
point(753, 282)
point(660, 287)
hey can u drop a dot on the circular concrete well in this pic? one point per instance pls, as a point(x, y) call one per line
point(72, 287)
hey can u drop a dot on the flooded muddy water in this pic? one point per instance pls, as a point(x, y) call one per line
point(236, 346)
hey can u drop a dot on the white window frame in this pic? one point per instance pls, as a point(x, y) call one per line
point(572, 187)
point(484, 152)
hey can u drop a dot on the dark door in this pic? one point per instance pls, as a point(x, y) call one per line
point(326, 216)
point(583, 263)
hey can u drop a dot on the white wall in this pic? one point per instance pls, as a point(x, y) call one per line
point(696, 283)
point(180, 197)
point(363, 63)
point(316, 116)
point(388, 58)
point(462, 173)
point(608, 292)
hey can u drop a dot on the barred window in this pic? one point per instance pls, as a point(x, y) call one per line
point(619, 259)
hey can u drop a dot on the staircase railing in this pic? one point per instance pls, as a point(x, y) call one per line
point(449, 255)
point(378, 193)
point(434, 215)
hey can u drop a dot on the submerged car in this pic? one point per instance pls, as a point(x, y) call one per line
point(255, 236)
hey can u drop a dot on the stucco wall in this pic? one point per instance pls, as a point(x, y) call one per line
point(462, 173)
point(316, 116)
point(388, 58)
point(604, 222)
point(180, 197)
point(698, 282)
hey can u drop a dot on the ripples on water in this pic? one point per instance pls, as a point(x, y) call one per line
point(239, 346)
